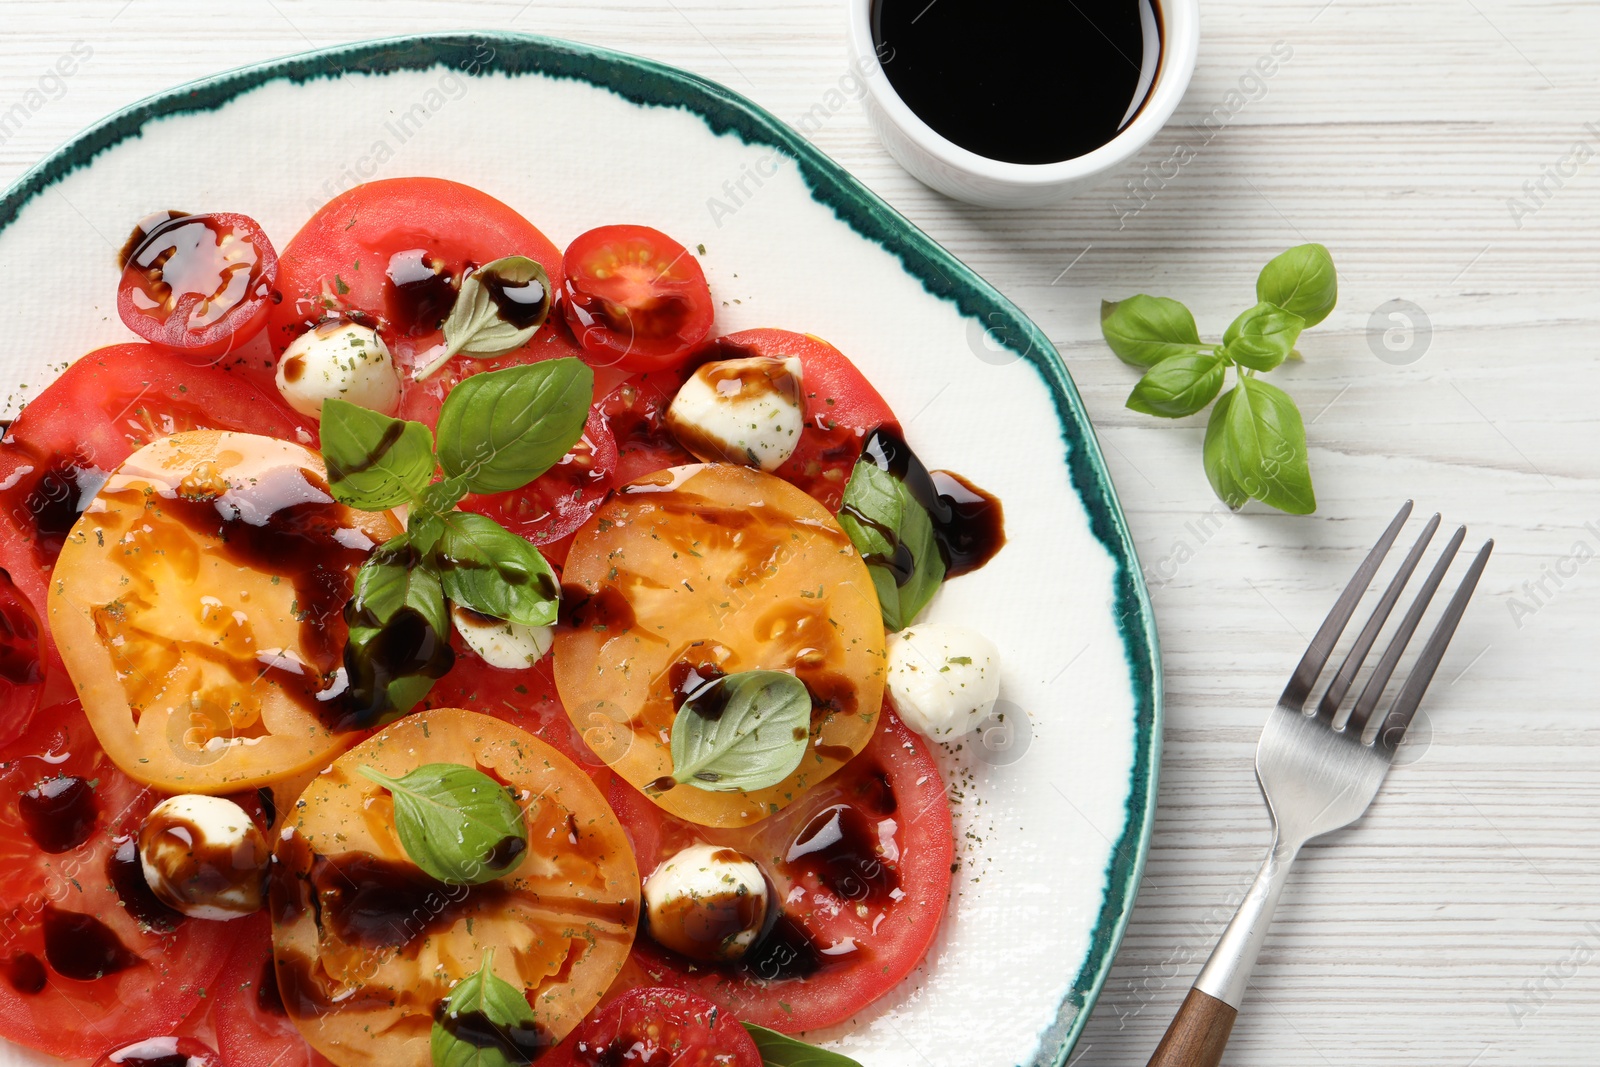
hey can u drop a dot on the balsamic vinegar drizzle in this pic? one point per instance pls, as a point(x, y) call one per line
point(59, 813)
point(523, 1042)
point(968, 523)
point(420, 292)
point(82, 947)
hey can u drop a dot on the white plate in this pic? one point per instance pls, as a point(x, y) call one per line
point(1052, 821)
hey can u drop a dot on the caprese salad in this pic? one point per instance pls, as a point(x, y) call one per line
point(429, 646)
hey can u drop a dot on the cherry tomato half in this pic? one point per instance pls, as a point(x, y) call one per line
point(657, 1028)
point(200, 285)
point(635, 297)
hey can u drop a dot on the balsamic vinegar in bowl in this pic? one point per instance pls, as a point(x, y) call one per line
point(1020, 81)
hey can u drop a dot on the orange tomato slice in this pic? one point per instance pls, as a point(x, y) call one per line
point(366, 945)
point(715, 566)
point(198, 605)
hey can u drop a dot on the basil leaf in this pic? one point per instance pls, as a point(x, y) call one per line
point(1301, 281)
point(501, 430)
point(1179, 385)
point(746, 731)
point(455, 822)
point(374, 462)
point(494, 572)
point(1262, 337)
point(1267, 447)
point(894, 535)
point(484, 1002)
point(1217, 455)
point(781, 1050)
point(399, 639)
point(500, 307)
point(1144, 330)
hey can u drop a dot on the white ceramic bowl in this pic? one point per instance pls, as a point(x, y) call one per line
point(945, 166)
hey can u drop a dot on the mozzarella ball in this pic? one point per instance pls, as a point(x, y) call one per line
point(506, 645)
point(204, 856)
point(707, 902)
point(338, 360)
point(942, 679)
point(744, 411)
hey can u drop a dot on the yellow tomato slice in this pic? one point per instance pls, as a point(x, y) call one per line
point(198, 605)
point(715, 566)
point(367, 945)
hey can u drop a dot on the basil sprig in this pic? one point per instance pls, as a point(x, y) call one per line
point(498, 431)
point(455, 822)
point(781, 1050)
point(894, 534)
point(1255, 443)
point(486, 1022)
point(499, 308)
point(746, 731)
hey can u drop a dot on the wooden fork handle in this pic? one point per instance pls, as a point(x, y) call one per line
point(1198, 1033)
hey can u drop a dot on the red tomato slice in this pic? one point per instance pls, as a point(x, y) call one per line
point(114, 400)
point(656, 1028)
point(162, 1052)
point(634, 297)
point(861, 865)
point(89, 959)
point(199, 284)
point(842, 408)
point(253, 1030)
point(392, 253)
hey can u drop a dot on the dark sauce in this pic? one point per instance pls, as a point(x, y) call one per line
point(688, 680)
point(505, 853)
point(268, 997)
point(1022, 81)
point(420, 292)
point(82, 947)
point(785, 952)
point(127, 878)
point(607, 609)
point(521, 1042)
point(708, 698)
point(300, 543)
point(375, 903)
point(19, 637)
point(521, 304)
point(407, 646)
point(50, 497)
point(968, 524)
point(141, 231)
point(26, 974)
point(839, 847)
point(59, 813)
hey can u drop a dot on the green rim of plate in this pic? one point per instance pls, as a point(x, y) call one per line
point(652, 84)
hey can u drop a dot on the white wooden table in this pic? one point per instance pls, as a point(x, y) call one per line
point(1459, 923)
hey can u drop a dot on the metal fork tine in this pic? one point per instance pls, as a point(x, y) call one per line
point(1328, 708)
point(1405, 705)
point(1373, 691)
point(1316, 657)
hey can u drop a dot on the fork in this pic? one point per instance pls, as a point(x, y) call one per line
point(1316, 771)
